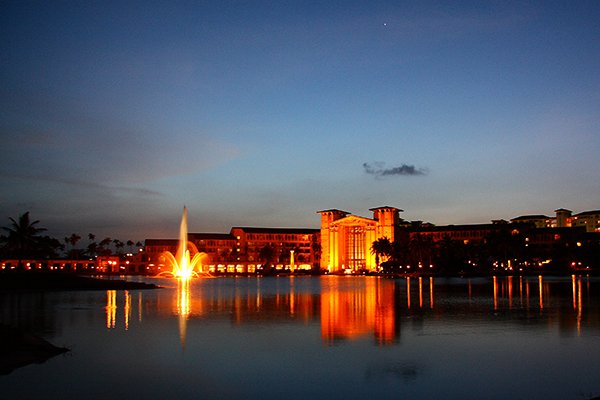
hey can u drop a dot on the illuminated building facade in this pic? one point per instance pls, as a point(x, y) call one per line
point(346, 240)
point(240, 250)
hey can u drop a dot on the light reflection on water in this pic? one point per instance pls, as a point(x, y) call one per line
point(329, 337)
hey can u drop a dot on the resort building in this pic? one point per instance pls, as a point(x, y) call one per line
point(563, 218)
point(588, 219)
point(346, 239)
point(539, 221)
point(244, 249)
point(463, 233)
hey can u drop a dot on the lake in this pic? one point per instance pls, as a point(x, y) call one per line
point(330, 337)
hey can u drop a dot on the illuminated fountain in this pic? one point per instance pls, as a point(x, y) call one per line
point(184, 268)
point(181, 265)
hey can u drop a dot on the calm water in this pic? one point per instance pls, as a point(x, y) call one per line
point(310, 338)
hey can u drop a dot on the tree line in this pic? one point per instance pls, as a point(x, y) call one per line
point(24, 238)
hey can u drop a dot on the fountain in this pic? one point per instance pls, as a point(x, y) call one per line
point(182, 266)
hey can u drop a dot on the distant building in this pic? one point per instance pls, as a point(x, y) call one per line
point(346, 240)
point(463, 233)
point(539, 221)
point(588, 219)
point(563, 219)
point(240, 250)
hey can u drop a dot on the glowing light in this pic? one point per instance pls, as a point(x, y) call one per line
point(111, 309)
point(182, 266)
point(184, 308)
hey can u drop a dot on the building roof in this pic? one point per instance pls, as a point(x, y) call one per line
point(585, 213)
point(211, 236)
point(333, 210)
point(386, 208)
point(528, 217)
point(446, 228)
point(250, 229)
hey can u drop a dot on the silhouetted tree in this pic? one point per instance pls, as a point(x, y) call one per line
point(267, 254)
point(421, 249)
point(381, 247)
point(92, 249)
point(23, 238)
point(118, 246)
point(103, 248)
point(450, 255)
point(73, 240)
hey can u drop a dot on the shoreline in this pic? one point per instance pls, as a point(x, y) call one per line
point(19, 349)
point(45, 281)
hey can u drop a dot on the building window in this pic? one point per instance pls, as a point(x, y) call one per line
point(355, 249)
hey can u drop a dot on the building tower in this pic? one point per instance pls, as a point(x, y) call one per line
point(563, 218)
point(328, 235)
point(388, 219)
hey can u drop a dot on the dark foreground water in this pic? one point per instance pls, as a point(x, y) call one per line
point(316, 338)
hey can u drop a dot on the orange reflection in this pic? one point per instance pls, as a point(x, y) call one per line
point(574, 287)
point(510, 291)
point(579, 306)
point(127, 309)
point(408, 292)
point(431, 292)
point(420, 292)
point(541, 289)
point(495, 280)
point(350, 312)
point(183, 307)
point(111, 309)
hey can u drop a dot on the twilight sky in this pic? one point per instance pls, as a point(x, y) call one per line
point(113, 115)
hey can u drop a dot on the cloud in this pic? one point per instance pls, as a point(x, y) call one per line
point(378, 169)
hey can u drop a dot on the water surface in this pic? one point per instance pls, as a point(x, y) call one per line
point(307, 337)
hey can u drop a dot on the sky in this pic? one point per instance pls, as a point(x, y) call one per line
point(114, 115)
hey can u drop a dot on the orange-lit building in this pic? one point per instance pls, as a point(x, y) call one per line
point(346, 239)
point(344, 242)
point(239, 250)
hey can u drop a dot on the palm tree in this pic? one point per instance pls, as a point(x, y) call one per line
point(92, 246)
point(72, 240)
point(421, 248)
point(118, 245)
point(382, 247)
point(103, 248)
point(267, 253)
point(23, 239)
